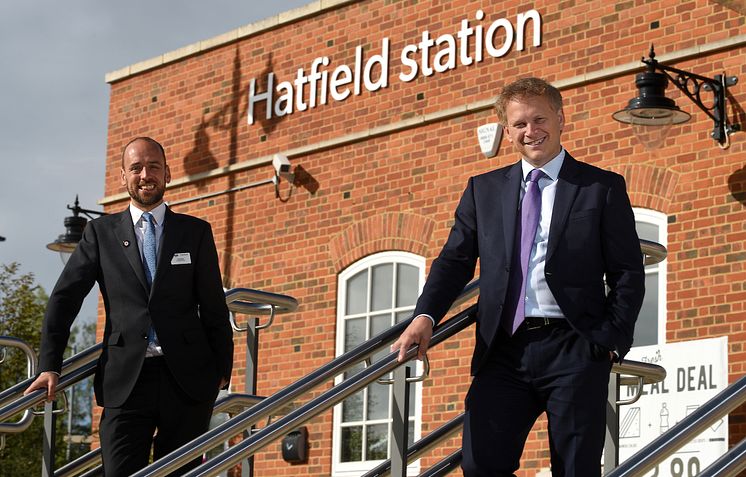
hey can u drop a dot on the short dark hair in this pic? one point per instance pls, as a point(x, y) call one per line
point(526, 87)
point(147, 139)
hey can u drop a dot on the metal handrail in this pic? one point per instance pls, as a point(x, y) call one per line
point(693, 424)
point(445, 466)
point(427, 443)
point(631, 372)
point(284, 397)
point(71, 364)
point(729, 464)
point(12, 400)
point(39, 396)
point(229, 403)
point(341, 391)
point(653, 252)
point(635, 373)
point(83, 365)
point(86, 461)
point(238, 300)
point(93, 458)
point(256, 302)
point(336, 394)
point(31, 364)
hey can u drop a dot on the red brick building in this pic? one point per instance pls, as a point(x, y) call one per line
point(376, 104)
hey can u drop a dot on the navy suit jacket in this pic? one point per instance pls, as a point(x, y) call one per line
point(186, 305)
point(591, 236)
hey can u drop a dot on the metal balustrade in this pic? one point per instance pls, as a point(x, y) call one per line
point(31, 364)
point(245, 301)
point(284, 397)
point(83, 365)
point(231, 404)
point(629, 372)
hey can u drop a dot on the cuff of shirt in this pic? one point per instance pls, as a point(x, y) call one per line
point(432, 320)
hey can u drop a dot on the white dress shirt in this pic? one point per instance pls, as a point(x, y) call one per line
point(159, 214)
point(539, 300)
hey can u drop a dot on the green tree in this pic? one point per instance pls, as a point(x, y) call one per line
point(22, 304)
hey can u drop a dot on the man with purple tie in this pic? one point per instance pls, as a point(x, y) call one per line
point(561, 285)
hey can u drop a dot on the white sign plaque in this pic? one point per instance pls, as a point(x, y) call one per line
point(489, 138)
point(696, 372)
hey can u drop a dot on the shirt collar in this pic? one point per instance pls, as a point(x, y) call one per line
point(159, 213)
point(551, 168)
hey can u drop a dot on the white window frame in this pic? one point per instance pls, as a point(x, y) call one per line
point(660, 220)
point(348, 469)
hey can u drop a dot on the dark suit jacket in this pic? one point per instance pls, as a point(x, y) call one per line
point(592, 234)
point(186, 305)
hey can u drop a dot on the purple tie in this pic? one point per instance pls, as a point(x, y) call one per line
point(530, 211)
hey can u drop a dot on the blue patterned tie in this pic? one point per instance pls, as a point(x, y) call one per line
point(149, 254)
point(530, 212)
point(148, 247)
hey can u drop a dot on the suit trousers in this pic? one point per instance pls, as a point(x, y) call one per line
point(156, 403)
point(550, 369)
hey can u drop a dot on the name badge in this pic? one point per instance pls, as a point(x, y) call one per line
point(182, 258)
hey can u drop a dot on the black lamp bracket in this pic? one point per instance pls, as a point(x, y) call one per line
point(692, 85)
point(77, 210)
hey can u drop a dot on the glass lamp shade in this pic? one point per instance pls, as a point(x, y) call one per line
point(65, 244)
point(651, 114)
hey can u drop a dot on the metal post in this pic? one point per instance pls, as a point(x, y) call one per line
point(71, 411)
point(47, 456)
point(252, 353)
point(400, 422)
point(611, 444)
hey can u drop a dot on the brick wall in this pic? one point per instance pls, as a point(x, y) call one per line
point(397, 190)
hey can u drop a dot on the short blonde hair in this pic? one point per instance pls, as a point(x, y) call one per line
point(522, 88)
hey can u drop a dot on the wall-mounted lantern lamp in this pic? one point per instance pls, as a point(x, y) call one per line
point(652, 110)
point(65, 244)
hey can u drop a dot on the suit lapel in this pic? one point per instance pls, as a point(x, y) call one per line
point(509, 199)
point(125, 233)
point(567, 188)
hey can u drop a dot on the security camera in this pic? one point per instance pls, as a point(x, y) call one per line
point(281, 164)
point(282, 167)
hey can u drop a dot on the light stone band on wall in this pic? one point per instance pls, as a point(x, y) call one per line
point(423, 119)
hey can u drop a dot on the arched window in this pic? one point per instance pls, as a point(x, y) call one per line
point(651, 324)
point(374, 294)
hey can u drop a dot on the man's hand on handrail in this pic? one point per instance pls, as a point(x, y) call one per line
point(46, 380)
point(419, 332)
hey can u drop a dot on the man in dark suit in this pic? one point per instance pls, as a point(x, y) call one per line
point(551, 234)
point(168, 344)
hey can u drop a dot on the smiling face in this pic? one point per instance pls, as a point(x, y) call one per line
point(145, 174)
point(534, 127)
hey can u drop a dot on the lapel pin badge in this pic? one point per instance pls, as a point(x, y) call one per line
point(126, 243)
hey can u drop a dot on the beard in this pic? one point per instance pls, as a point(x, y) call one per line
point(155, 197)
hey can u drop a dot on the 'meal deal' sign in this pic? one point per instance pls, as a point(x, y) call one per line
point(469, 46)
point(696, 372)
